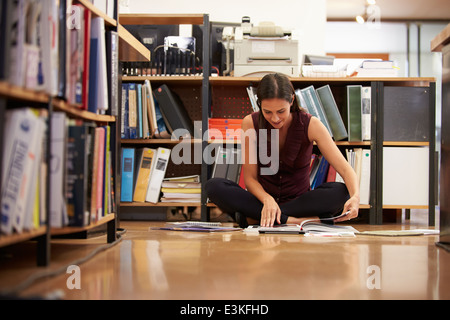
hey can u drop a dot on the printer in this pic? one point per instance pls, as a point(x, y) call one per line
point(263, 49)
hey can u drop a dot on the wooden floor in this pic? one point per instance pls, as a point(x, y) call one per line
point(171, 265)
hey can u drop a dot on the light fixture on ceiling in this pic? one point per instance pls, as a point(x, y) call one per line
point(371, 13)
point(360, 19)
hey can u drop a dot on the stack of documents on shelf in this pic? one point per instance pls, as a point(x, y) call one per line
point(181, 189)
point(375, 68)
point(196, 226)
point(324, 71)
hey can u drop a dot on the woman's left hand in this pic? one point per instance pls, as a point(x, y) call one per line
point(352, 205)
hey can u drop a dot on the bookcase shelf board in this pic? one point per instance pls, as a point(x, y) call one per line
point(160, 19)
point(406, 143)
point(239, 81)
point(156, 141)
point(160, 204)
point(98, 13)
point(74, 111)
point(69, 230)
point(175, 80)
point(130, 49)
point(9, 91)
point(20, 237)
point(361, 206)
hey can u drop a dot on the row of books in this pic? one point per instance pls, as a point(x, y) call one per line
point(80, 171)
point(354, 125)
point(142, 173)
point(61, 49)
point(148, 113)
point(143, 178)
point(89, 186)
point(24, 171)
point(358, 158)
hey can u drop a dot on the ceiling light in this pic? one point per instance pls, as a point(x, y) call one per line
point(360, 19)
point(371, 2)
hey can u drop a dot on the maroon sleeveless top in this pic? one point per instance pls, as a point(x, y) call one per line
point(292, 178)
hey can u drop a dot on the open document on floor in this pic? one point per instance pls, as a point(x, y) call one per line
point(309, 227)
point(196, 226)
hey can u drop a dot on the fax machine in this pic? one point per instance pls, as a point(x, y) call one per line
point(265, 49)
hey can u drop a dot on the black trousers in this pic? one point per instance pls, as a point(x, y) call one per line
point(325, 201)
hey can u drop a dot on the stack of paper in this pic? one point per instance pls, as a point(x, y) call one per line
point(181, 189)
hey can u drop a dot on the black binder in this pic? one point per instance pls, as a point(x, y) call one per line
point(173, 111)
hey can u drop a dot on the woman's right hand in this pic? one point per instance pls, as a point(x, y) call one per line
point(270, 212)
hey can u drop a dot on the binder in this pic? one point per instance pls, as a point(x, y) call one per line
point(234, 167)
point(173, 111)
point(221, 163)
point(127, 170)
point(354, 108)
point(332, 112)
point(144, 160)
point(158, 171)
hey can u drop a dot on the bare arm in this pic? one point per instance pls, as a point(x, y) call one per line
point(271, 210)
point(319, 134)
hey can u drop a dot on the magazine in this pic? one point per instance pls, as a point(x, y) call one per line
point(311, 226)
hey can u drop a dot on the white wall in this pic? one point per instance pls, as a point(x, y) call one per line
point(306, 17)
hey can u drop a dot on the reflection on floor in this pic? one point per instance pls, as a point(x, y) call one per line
point(169, 265)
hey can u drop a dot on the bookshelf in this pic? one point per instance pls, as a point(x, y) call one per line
point(224, 87)
point(226, 97)
point(193, 91)
point(13, 96)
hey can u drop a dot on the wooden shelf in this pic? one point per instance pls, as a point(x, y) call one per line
point(130, 49)
point(69, 230)
point(160, 19)
point(361, 206)
point(399, 206)
point(165, 79)
point(13, 92)
point(406, 143)
point(97, 12)
point(80, 113)
point(404, 81)
point(27, 95)
point(351, 143)
point(439, 42)
point(6, 240)
point(157, 141)
point(160, 204)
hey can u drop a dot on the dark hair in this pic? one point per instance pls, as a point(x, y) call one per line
point(276, 85)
